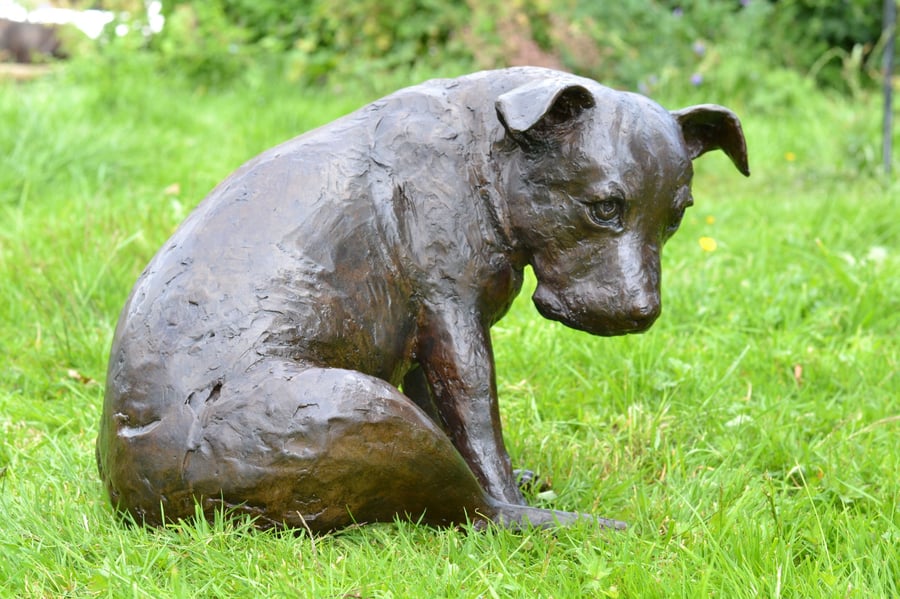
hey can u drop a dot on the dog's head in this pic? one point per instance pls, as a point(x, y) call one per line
point(597, 181)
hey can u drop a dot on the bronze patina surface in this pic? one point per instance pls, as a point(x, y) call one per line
point(312, 346)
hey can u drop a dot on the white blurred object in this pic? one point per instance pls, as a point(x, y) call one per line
point(91, 22)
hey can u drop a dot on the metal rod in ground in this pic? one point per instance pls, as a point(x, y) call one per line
point(890, 26)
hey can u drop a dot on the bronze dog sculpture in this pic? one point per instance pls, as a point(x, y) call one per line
point(259, 361)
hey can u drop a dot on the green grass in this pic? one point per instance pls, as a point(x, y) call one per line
point(751, 438)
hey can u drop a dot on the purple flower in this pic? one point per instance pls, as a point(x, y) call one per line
point(699, 48)
point(696, 79)
point(677, 11)
point(745, 2)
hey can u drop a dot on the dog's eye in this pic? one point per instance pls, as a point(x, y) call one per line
point(605, 212)
point(680, 206)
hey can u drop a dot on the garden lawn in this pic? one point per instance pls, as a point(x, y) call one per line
point(751, 438)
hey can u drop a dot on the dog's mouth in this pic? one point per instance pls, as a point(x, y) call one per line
point(606, 323)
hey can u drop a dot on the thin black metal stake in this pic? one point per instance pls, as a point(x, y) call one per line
point(890, 26)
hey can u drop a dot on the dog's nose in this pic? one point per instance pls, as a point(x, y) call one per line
point(645, 313)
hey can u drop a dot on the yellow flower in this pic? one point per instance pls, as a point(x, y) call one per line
point(708, 244)
point(710, 219)
point(790, 156)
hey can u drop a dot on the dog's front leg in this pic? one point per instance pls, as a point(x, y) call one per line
point(455, 353)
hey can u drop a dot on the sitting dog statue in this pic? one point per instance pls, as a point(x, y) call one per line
point(312, 345)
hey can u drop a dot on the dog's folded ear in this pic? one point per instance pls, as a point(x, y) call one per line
point(536, 112)
point(708, 127)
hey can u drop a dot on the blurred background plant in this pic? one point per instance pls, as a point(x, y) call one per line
point(768, 51)
point(633, 44)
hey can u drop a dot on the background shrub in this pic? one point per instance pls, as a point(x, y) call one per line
point(628, 43)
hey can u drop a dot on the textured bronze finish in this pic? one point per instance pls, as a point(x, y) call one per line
point(259, 359)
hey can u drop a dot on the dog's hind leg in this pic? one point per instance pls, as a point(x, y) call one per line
point(324, 448)
point(307, 447)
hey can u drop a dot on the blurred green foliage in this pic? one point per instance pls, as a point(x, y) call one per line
point(313, 40)
point(734, 46)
